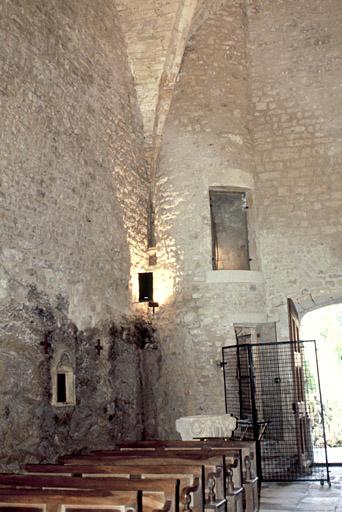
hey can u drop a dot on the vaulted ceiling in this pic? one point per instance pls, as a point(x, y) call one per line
point(156, 34)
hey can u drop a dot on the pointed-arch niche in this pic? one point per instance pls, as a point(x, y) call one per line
point(63, 380)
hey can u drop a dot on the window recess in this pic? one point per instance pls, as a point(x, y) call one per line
point(63, 381)
point(229, 230)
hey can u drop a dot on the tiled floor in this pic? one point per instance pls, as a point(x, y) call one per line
point(303, 497)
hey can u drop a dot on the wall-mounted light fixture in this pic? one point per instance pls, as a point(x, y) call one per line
point(145, 286)
point(146, 290)
point(153, 305)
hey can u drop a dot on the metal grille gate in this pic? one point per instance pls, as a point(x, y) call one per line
point(274, 390)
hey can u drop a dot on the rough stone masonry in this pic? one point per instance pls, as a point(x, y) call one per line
point(85, 85)
point(255, 108)
point(74, 185)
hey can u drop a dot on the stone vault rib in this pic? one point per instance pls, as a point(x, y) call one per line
point(169, 75)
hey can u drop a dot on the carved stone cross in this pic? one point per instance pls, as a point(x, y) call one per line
point(46, 343)
point(98, 347)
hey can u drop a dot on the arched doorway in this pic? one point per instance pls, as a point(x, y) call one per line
point(325, 326)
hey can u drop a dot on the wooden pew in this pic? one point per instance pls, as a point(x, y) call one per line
point(37, 500)
point(227, 458)
point(208, 460)
point(191, 476)
point(248, 459)
point(247, 447)
point(230, 455)
point(220, 459)
point(169, 489)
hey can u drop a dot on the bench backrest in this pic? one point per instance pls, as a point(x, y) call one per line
point(189, 476)
point(206, 458)
point(207, 444)
point(175, 490)
point(188, 453)
point(247, 448)
point(126, 470)
point(37, 500)
point(166, 486)
point(202, 457)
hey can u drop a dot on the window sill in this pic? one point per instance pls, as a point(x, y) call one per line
point(234, 276)
point(63, 404)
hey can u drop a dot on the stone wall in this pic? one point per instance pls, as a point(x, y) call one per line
point(254, 109)
point(206, 144)
point(260, 117)
point(74, 190)
point(296, 76)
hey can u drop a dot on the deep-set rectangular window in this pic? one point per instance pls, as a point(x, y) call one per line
point(61, 388)
point(229, 230)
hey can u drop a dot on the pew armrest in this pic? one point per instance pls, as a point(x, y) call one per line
point(166, 508)
point(185, 497)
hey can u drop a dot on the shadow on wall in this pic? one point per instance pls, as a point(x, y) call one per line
point(69, 390)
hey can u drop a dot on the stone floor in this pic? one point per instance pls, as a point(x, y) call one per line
point(304, 496)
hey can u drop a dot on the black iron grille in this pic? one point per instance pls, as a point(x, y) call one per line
point(274, 391)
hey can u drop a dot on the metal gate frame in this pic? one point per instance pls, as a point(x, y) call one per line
point(248, 387)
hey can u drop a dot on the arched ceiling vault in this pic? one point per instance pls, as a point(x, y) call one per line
point(156, 34)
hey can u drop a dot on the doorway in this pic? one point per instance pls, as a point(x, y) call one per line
point(325, 326)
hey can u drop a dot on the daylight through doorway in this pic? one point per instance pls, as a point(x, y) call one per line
point(325, 326)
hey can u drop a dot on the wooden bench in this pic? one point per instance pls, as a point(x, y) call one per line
point(171, 490)
point(221, 460)
point(211, 460)
point(37, 500)
point(247, 447)
point(191, 476)
point(248, 459)
point(229, 458)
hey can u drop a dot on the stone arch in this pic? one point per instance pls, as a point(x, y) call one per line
point(311, 301)
point(305, 301)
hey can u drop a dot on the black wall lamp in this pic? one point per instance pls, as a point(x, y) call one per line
point(146, 289)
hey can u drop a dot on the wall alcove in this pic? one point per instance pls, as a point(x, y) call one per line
point(63, 382)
